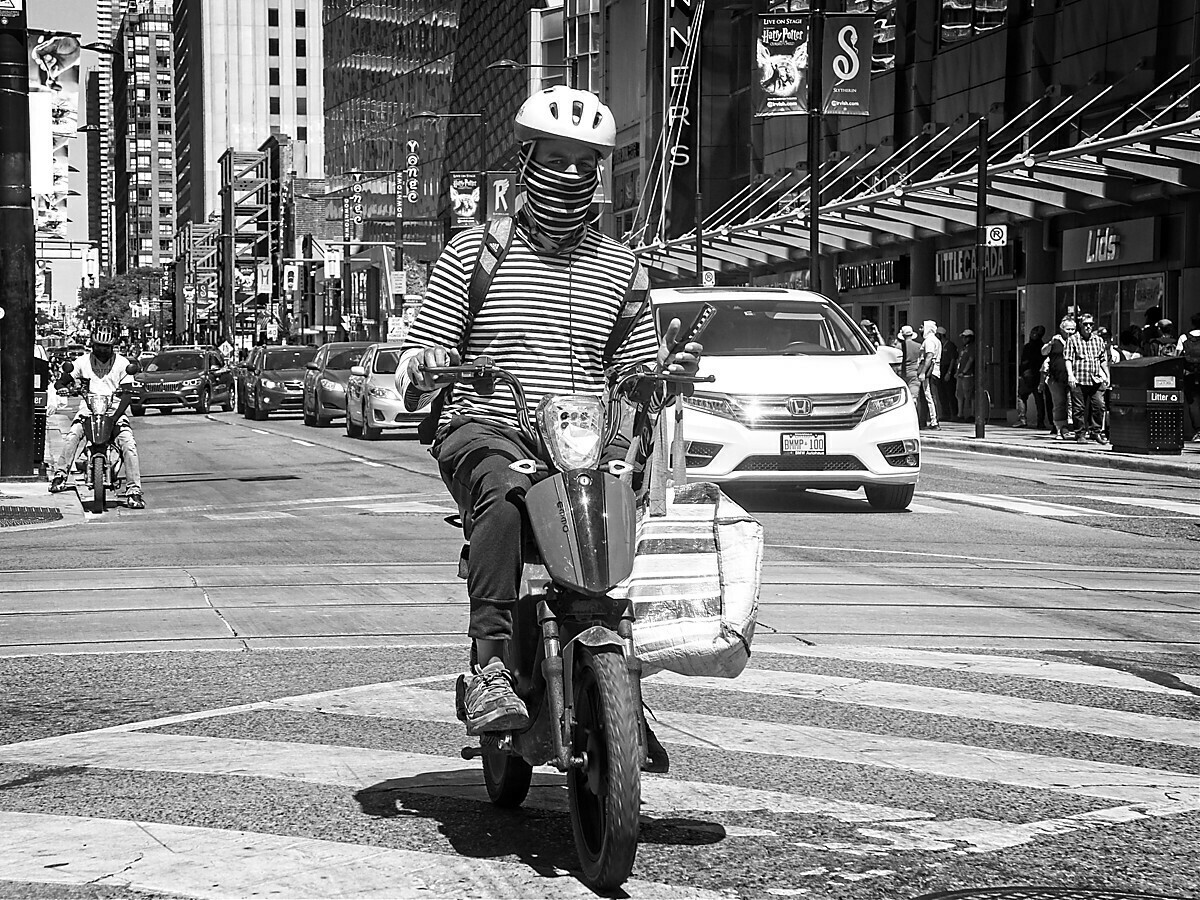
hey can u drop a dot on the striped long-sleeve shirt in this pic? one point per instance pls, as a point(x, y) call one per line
point(546, 319)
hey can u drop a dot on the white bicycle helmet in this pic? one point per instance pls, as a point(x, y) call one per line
point(104, 334)
point(570, 114)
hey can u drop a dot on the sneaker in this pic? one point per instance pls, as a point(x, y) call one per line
point(1080, 437)
point(58, 482)
point(492, 703)
point(134, 498)
point(1099, 438)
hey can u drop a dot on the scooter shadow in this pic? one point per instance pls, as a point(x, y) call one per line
point(538, 833)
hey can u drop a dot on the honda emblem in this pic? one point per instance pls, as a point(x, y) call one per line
point(799, 406)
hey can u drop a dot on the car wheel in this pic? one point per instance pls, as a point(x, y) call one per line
point(238, 402)
point(227, 406)
point(138, 410)
point(319, 415)
point(893, 497)
point(310, 418)
point(352, 430)
point(166, 410)
point(369, 431)
point(205, 401)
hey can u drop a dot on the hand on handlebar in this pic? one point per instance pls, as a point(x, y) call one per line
point(430, 358)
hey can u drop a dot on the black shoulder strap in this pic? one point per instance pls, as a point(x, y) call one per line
point(497, 238)
point(637, 296)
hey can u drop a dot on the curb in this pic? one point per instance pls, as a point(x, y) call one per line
point(34, 493)
point(1108, 460)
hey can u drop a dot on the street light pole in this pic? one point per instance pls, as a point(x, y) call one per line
point(816, 28)
point(481, 175)
point(981, 336)
point(18, 455)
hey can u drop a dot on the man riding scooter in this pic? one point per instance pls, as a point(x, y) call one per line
point(103, 370)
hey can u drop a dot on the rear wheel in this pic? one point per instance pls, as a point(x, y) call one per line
point(239, 402)
point(97, 476)
point(890, 496)
point(605, 794)
point(507, 777)
point(227, 405)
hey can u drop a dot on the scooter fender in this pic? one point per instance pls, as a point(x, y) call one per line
point(596, 639)
point(584, 524)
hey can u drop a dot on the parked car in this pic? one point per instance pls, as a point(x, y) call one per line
point(372, 402)
point(325, 381)
point(274, 380)
point(801, 398)
point(177, 379)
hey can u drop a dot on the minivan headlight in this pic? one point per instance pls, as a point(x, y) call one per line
point(744, 410)
point(880, 402)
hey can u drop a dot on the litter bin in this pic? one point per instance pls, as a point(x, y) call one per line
point(1146, 406)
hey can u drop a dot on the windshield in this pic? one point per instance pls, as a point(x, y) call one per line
point(386, 362)
point(345, 358)
point(289, 359)
point(766, 326)
point(176, 362)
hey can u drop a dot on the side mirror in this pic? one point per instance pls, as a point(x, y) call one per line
point(313, 366)
point(132, 369)
point(359, 371)
point(67, 368)
point(889, 355)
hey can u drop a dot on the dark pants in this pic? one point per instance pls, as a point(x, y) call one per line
point(1087, 408)
point(947, 396)
point(474, 460)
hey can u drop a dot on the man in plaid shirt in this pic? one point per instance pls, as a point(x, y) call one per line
point(1086, 355)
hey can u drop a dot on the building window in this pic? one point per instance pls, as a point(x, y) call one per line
point(301, 47)
point(301, 106)
point(273, 18)
point(273, 75)
point(274, 108)
point(963, 19)
point(301, 133)
point(301, 77)
point(300, 18)
point(272, 46)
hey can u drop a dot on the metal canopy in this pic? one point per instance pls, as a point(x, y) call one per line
point(886, 206)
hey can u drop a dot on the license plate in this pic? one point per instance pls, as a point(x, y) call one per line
point(803, 443)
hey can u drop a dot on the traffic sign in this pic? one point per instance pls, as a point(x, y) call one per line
point(708, 279)
point(996, 236)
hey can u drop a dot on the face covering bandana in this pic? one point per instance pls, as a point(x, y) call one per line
point(558, 203)
point(104, 354)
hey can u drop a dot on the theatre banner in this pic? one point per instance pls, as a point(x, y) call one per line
point(784, 64)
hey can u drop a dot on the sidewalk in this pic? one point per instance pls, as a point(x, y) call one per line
point(28, 505)
point(1033, 443)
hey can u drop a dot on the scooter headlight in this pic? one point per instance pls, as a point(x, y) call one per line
point(572, 425)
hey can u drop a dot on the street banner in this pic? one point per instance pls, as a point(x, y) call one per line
point(782, 58)
point(846, 70)
point(781, 53)
point(464, 200)
point(53, 65)
point(501, 193)
point(264, 284)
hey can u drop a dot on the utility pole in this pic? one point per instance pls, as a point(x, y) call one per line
point(816, 30)
point(18, 455)
point(982, 339)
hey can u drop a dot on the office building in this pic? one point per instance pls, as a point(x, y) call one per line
point(98, 91)
point(144, 117)
point(245, 70)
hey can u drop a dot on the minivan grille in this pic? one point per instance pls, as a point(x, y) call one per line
point(830, 412)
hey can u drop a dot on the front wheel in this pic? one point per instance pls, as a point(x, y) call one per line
point(892, 497)
point(97, 478)
point(204, 403)
point(605, 794)
point(507, 777)
point(369, 431)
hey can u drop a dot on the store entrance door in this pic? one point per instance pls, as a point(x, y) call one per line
point(1005, 352)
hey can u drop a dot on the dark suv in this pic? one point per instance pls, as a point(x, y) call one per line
point(183, 378)
point(275, 380)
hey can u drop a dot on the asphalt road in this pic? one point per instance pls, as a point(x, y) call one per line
point(244, 689)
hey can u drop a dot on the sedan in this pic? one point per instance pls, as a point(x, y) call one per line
point(183, 378)
point(372, 403)
point(275, 380)
point(325, 381)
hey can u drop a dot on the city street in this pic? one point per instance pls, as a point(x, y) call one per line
point(245, 689)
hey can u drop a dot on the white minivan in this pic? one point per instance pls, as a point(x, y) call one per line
point(801, 396)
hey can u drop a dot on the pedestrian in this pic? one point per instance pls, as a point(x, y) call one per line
point(1086, 356)
point(1128, 346)
point(1166, 343)
point(1057, 375)
point(1030, 377)
point(1189, 351)
point(872, 331)
point(910, 360)
point(928, 372)
point(1149, 331)
point(948, 369)
point(964, 389)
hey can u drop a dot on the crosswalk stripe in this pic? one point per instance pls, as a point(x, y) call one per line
point(1021, 505)
point(945, 702)
point(358, 767)
point(1172, 506)
point(974, 663)
point(218, 864)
